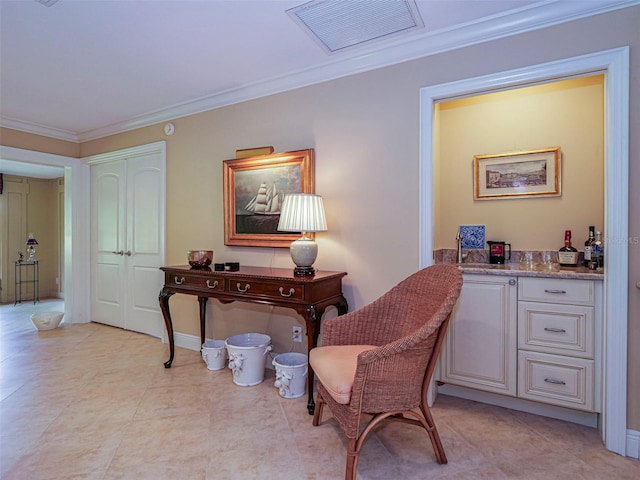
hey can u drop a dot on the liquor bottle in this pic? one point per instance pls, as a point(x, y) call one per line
point(597, 254)
point(588, 245)
point(568, 255)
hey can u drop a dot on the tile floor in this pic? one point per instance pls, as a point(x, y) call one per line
point(88, 401)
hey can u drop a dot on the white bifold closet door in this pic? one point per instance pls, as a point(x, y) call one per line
point(127, 240)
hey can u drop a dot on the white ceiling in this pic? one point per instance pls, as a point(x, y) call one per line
point(80, 70)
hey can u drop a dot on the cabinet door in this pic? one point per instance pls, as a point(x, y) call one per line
point(480, 348)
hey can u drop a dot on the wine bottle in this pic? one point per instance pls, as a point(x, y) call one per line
point(597, 254)
point(588, 245)
point(568, 255)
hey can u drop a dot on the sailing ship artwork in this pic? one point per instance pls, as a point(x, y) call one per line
point(259, 194)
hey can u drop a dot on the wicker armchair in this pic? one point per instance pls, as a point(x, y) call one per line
point(379, 359)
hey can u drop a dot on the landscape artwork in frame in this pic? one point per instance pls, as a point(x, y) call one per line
point(519, 174)
point(254, 189)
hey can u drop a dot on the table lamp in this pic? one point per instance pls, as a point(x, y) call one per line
point(31, 248)
point(303, 212)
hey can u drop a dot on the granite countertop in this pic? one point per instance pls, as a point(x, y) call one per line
point(538, 270)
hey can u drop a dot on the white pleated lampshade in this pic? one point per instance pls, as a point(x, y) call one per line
point(302, 212)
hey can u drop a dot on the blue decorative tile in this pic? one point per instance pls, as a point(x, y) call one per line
point(473, 236)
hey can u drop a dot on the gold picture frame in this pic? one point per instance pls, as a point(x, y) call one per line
point(254, 188)
point(534, 173)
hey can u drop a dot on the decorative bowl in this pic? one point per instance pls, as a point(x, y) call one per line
point(200, 258)
point(47, 320)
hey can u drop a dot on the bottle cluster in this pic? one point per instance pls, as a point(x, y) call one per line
point(593, 251)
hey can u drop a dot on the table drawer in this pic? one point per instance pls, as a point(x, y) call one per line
point(276, 290)
point(557, 290)
point(558, 329)
point(557, 380)
point(204, 282)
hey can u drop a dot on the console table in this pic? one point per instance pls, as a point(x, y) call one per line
point(307, 295)
point(35, 280)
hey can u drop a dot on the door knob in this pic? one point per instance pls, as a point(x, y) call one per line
point(128, 253)
point(118, 253)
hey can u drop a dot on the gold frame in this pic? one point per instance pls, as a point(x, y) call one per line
point(299, 169)
point(509, 179)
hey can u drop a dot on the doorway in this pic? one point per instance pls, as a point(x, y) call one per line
point(615, 66)
point(76, 239)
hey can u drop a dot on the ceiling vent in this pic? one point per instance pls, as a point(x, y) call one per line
point(337, 25)
point(47, 3)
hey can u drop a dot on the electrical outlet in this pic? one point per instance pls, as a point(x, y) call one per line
point(297, 334)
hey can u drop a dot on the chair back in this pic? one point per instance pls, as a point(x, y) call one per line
point(415, 313)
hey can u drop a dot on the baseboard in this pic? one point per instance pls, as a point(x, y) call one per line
point(190, 342)
point(633, 444)
point(568, 415)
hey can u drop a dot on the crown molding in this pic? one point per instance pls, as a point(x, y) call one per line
point(37, 129)
point(533, 17)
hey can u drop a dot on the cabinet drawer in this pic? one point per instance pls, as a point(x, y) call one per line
point(557, 380)
point(558, 329)
point(277, 290)
point(204, 282)
point(556, 290)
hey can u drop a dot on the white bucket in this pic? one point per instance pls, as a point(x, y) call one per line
point(248, 357)
point(291, 374)
point(214, 354)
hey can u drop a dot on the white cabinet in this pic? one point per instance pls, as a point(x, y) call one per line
point(480, 348)
point(525, 338)
point(556, 342)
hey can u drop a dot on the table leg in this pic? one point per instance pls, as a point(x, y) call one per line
point(312, 318)
point(202, 301)
point(164, 307)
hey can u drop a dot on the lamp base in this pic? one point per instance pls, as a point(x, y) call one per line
point(304, 271)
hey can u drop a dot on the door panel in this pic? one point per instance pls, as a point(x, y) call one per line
point(107, 226)
point(145, 240)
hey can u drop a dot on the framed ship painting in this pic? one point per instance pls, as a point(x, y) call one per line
point(254, 188)
point(535, 173)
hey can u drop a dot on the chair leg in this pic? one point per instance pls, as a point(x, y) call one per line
point(317, 414)
point(352, 459)
point(438, 449)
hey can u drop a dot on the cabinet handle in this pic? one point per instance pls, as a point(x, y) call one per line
point(553, 290)
point(127, 253)
point(246, 288)
point(215, 284)
point(512, 282)
point(291, 292)
point(554, 381)
point(553, 329)
point(179, 282)
point(118, 253)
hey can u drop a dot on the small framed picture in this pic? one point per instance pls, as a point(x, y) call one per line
point(519, 174)
point(254, 188)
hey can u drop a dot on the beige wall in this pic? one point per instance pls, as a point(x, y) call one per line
point(568, 114)
point(38, 143)
point(366, 133)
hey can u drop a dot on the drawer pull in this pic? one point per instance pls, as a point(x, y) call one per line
point(291, 292)
point(179, 282)
point(553, 290)
point(246, 288)
point(554, 381)
point(215, 284)
point(556, 330)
